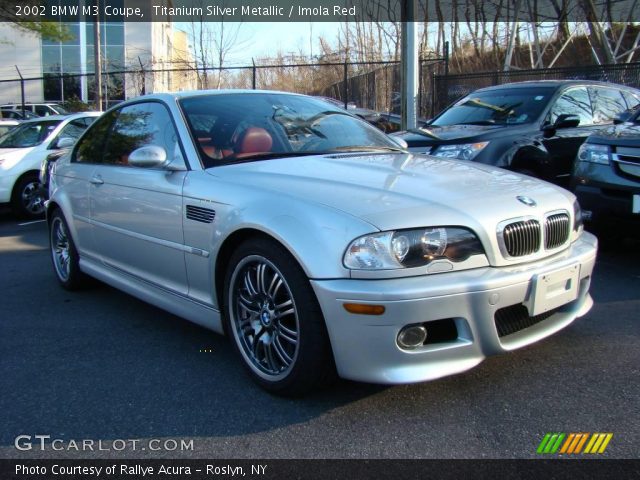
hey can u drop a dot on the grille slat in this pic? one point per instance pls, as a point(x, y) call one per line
point(522, 238)
point(200, 214)
point(556, 230)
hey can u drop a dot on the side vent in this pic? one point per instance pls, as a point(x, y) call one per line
point(199, 214)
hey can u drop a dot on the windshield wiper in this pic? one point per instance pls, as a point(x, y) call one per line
point(424, 132)
point(479, 122)
point(367, 148)
point(254, 157)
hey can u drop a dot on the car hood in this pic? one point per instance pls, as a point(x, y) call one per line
point(394, 191)
point(619, 135)
point(456, 134)
point(11, 156)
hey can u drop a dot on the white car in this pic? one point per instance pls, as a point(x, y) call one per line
point(22, 151)
point(39, 109)
point(313, 240)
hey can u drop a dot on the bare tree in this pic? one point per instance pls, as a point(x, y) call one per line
point(212, 44)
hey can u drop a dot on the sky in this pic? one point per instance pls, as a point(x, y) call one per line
point(265, 39)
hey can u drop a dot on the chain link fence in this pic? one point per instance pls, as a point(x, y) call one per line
point(370, 85)
point(449, 88)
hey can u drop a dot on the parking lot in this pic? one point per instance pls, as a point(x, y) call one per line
point(101, 365)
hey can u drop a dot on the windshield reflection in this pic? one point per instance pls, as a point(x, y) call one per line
point(230, 128)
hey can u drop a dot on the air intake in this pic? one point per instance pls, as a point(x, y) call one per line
point(200, 214)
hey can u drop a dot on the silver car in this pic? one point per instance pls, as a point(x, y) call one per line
point(315, 242)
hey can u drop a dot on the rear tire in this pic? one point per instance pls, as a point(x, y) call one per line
point(28, 197)
point(274, 321)
point(64, 254)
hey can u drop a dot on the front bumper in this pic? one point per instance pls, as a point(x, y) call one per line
point(365, 348)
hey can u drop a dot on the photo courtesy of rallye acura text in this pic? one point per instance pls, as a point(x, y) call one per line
point(314, 241)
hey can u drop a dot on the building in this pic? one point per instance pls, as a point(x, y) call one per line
point(136, 57)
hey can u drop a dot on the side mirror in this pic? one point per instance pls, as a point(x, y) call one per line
point(401, 142)
point(563, 121)
point(65, 142)
point(622, 117)
point(149, 156)
point(567, 120)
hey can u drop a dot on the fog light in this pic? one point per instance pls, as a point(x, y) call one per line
point(412, 336)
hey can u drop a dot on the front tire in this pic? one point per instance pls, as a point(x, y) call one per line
point(27, 200)
point(64, 254)
point(274, 320)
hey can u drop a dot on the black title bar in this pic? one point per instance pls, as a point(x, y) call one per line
point(464, 11)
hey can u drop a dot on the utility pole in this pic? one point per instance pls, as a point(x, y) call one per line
point(97, 58)
point(409, 66)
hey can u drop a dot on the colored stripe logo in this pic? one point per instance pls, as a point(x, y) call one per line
point(573, 443)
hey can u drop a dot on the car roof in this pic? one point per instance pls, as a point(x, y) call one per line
point(198, 93)
point(550, 83)
point(73, 116)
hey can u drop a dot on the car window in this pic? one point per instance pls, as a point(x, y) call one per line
point(91, 146)
point(500, 106)
point(574, 101)
point(607, 102)
point(43, 110)
point(73, 129)
point(242, 126)
point(29, 134)
point(137, 126)
point(631, 99)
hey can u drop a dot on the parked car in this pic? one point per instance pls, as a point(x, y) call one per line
point(22, 151)
point(39, 109)
point(9, 114)
point(7, 125)
point(313, 241)
point(606, 177)
point(534, 128)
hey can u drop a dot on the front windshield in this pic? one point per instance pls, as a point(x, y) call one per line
point(28, 134)
point(241, 126)
point(497, 107)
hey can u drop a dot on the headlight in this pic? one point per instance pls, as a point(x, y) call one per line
point(467, 151)
point(411, 248)
point(590, 152)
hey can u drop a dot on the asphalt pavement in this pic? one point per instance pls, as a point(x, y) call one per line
point(102, 365)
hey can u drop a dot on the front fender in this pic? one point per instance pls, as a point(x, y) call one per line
point(316, 236)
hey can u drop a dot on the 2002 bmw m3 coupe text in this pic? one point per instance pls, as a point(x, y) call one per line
point(314, 241)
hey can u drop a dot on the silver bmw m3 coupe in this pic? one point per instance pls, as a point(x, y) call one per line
point(315, 242)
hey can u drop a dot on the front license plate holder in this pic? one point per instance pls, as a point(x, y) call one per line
point(553, 289)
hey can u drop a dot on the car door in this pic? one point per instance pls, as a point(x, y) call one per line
point(563, 143)
point(76, 176)
point(136, 212)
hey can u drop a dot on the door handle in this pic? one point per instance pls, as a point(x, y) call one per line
point(97, 180)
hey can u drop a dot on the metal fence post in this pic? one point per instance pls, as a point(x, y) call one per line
point(253, 80)
point(21, 87)
point(346, 85)
point(446, 58)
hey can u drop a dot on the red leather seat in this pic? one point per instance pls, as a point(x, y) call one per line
point(254, 140)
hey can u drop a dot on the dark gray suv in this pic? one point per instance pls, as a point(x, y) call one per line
point(534, 128)
point(606, 175)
